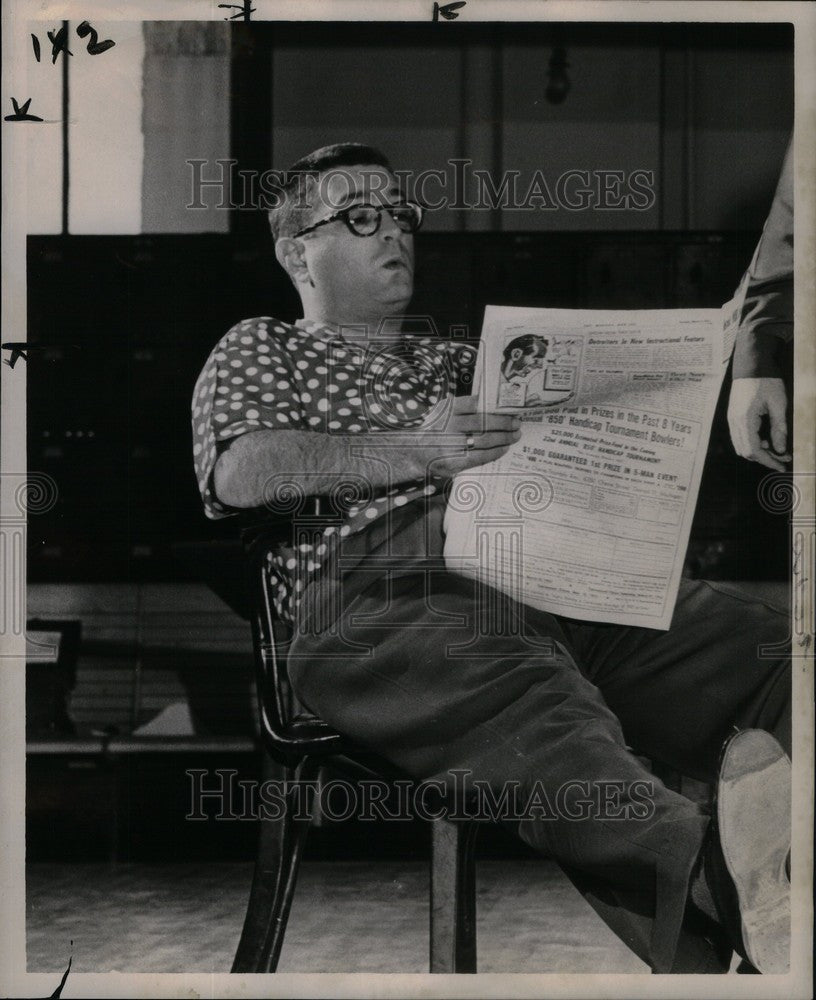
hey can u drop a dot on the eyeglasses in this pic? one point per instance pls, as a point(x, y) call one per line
point(364, 220)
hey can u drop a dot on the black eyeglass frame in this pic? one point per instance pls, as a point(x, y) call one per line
point(342, 215)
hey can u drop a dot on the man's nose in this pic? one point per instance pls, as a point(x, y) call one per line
point(388, 228)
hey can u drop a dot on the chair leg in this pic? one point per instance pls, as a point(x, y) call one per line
point(280, 848)
point(453, 896)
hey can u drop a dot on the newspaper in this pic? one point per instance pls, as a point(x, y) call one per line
point(588, 514)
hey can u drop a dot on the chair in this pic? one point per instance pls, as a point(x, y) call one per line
point(297, 745)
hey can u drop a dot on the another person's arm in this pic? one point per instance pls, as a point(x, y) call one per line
point(766, 323)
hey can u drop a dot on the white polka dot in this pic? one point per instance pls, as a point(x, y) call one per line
point(267, 377)
point(371, 512)
point(235, 363)
point(267, 397)
point(282, 417)
point(236, 406)
point(345, 530)
point(222, 418)
point(400, 501)
point(323, 405)
point(252, 414)
point(252, 371)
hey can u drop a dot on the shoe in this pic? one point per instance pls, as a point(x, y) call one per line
point(746, 852)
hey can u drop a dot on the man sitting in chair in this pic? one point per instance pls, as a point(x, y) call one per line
point(342, 394)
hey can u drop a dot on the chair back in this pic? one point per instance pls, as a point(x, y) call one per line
point(289, 731)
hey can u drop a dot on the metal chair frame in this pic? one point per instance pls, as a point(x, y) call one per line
point(296, 747)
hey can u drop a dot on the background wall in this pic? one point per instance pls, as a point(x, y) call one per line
point(707, 108)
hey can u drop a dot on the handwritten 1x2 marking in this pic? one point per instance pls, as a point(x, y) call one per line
point(59, 42)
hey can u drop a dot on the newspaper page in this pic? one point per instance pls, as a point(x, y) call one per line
point(588, 515)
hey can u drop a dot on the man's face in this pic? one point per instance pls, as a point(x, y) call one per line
point(359, 276)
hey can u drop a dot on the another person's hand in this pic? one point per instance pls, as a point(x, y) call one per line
point(751, 399)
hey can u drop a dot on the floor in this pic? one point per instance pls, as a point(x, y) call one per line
point(346, 917)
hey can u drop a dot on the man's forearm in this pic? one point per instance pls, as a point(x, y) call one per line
point(257, 464)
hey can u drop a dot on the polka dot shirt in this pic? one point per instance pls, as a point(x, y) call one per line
point(265, 374)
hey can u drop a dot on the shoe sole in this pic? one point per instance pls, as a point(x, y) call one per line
point(753, 810)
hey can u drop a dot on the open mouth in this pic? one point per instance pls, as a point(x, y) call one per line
point(394, 264)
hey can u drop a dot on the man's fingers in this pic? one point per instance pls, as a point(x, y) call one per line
point(496, 422)
point(483, 423)
point(465, 404)
point(481, 456)
point(492, 439)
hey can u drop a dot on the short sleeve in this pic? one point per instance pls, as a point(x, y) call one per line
point(246, 385)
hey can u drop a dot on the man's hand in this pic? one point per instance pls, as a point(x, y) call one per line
point(460, 438)
point(751, 399)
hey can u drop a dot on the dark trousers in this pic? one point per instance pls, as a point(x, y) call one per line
point(442, 676)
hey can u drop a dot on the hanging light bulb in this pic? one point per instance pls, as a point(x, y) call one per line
point(558, 83)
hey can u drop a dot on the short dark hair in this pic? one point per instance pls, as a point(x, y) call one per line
point(294, 211)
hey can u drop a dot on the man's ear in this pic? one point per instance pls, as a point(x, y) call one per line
point(291, 256)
